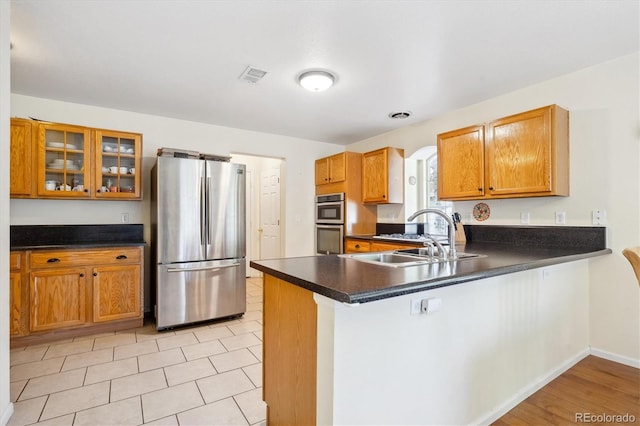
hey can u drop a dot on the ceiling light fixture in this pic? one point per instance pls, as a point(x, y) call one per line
point(316, 80)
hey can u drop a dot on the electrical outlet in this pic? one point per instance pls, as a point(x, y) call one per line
point(124, 217)
point(561, 218)
point(525, 217)
point(599, 217)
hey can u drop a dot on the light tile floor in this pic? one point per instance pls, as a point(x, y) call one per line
point(203, 375)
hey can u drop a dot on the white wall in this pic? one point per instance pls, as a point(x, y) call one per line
point(6, 408)
point(492, 343)
point(603, 101)
point(165, 132)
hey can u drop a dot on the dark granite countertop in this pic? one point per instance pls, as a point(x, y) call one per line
point(43, 237)
point(506, 250)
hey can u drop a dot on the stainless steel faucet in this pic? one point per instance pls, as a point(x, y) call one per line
point(452, 228)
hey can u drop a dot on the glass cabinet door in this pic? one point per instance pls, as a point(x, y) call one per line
point(64, 161)
point(118, 164)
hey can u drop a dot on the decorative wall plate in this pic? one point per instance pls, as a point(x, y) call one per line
point(481, 212)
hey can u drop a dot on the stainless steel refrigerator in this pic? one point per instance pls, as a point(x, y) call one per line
point(198, 240)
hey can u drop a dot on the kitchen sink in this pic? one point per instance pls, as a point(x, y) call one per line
point(422, 253)
point(405, 257)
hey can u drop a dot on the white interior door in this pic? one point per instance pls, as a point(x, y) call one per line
point(270, 213)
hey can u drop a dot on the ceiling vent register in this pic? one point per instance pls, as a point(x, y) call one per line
point(252, 74)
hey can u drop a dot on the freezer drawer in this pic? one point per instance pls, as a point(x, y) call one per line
point(199, 291)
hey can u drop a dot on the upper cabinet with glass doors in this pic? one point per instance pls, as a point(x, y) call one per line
point(118, 164)
point(74, 162)
point(64, 161)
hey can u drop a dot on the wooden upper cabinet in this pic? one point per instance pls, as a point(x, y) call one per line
point(118, 165)
point(331, 169)
point(528, 153)
point(383, 176)
point(64, 161)
point(21, 158)
point(523, 155)
point(461, 163)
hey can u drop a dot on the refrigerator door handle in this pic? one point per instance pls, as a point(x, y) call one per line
point(208, 211)
point(202, 268)
point(203, 230)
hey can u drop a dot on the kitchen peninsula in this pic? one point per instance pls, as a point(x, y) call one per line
point(344, 345)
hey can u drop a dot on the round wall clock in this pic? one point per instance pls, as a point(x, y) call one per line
point(481, 211)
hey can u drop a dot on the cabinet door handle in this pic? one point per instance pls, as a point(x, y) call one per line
point(357, 246)
point(479, 189)
point(53, 260)
point(122, 256)
point(491, 188)
point(81, 275)
point(95, 274)
point(384, 196)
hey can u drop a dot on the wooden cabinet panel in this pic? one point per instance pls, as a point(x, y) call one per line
point(21, 158)
point(289, 353)
point(57, 298)
point(356, 246)
point(461, 163)
point(524, 155)
point(18, 295)
point(322, 171)
point(15, 303)
point(383, 176)
point(116, 292)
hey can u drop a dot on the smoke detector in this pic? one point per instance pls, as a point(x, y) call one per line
point(252, 74)
point(398, 115)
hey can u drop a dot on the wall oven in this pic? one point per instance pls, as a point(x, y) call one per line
point(329, 223)
point(330, 209)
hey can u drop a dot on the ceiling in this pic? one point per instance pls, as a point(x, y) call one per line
point(183, 59)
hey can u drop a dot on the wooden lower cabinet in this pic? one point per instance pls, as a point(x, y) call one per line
point(75, 292)
point(116, 292)
point(18, 291)
point(57, 298)
point(289, 353)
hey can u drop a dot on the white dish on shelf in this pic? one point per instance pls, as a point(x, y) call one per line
point(61, 166)
point(129, 151)
point(107, 148)
point(60, 145)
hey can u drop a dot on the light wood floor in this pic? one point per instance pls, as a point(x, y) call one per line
point(588, 392)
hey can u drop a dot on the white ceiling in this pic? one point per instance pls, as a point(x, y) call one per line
point(183, 59)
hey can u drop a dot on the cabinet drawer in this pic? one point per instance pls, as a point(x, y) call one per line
point(389, 246)
point(65, 258)
point(15, 260)
point(356, 246)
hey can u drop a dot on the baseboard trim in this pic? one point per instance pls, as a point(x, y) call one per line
point(530, 389)
point(7, 414)
point(615, 357)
